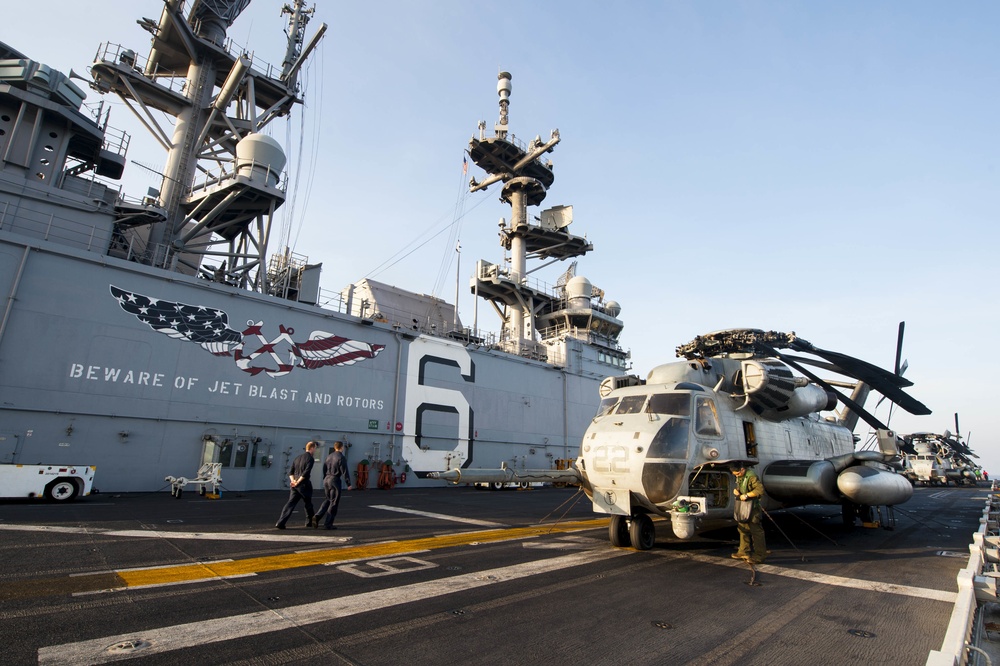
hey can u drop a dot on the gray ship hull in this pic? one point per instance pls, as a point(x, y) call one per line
point(86, 382)
point(151, 337)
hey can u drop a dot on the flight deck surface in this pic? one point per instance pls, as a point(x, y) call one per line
point(453, 575)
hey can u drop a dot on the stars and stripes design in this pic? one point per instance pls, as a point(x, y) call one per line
point(209, 328)
point(206, 327)
point(328, 349)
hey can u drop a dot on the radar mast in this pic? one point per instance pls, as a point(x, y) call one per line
point(222, 180)
point(524, 308)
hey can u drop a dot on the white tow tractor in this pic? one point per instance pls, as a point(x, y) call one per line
point(60, 483)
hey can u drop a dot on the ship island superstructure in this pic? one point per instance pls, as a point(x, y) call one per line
point(578, 309)
point(151, 336)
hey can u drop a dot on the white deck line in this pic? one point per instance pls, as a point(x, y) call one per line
point(293, 536)
point(194, 634)
point(439, 516)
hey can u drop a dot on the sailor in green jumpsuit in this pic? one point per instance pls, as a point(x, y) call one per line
point(749, 487)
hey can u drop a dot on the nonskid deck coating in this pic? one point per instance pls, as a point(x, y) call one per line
point(444, 590)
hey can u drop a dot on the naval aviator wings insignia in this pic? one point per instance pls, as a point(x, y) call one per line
point(253, 352)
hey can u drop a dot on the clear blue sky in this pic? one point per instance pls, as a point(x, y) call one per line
point(828, 168)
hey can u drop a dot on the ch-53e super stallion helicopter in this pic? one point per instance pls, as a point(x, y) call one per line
point(663, 446)
point(937, 459)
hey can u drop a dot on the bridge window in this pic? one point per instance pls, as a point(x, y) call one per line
point(241, 453)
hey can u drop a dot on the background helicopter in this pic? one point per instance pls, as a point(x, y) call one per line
point(663, 446)
point(933, 459)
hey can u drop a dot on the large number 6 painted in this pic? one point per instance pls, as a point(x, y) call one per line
point(421, 399)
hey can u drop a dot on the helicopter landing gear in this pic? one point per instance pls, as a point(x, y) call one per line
point(849, 513)
point(618, 531)
point(641, 532)
point(852, 512)
point(636, 531)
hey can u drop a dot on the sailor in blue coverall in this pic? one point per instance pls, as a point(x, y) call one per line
point(301, 487)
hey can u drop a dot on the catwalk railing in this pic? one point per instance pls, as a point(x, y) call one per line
point(965, 641)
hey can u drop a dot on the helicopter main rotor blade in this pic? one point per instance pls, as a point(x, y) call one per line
point(851, 404)
point(883, 381)
point(958, 446)
point(815, 363)
point(867, 372)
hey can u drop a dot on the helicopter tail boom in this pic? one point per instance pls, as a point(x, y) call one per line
point(848, 417)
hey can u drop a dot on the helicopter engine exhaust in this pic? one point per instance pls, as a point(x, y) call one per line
point(778, 395)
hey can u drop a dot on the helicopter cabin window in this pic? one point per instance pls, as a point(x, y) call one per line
point(706, 423)
point(678, 404)
point(750, 439)
point(631, 404)
point(607, 404)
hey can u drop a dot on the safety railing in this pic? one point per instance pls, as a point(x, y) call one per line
point(977, 583)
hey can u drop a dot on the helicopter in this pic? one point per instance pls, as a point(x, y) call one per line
point(937, 459)
point(664, 445)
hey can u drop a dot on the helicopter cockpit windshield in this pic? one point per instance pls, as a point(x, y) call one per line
point(607, 404)
point(671, 440)
point(678, 404)
point(631, 404)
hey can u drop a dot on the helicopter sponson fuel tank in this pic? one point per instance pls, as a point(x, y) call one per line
point(858, 477)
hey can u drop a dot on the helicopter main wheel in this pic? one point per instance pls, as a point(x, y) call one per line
point(641, 532)
point(849, 513)
point(618, 531)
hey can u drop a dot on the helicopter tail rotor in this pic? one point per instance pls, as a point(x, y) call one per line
point(900, 368)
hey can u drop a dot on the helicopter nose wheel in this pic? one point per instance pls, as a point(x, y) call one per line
point(641, 532)
point(636, 531)
point(618, 531)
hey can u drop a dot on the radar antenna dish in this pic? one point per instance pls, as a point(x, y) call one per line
point(566, 276)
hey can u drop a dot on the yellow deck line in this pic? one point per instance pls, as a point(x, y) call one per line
point(193, 572)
